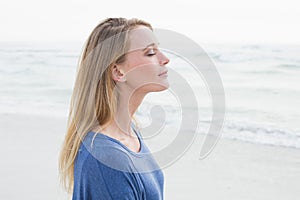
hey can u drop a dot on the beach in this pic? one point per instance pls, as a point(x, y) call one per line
point(233, 69)
point(29, 149)
point(257, 156)
point(233, 170)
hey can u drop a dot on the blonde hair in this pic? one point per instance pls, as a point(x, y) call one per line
point(93, 101)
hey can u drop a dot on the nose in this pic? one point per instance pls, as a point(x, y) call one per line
point(163, 59)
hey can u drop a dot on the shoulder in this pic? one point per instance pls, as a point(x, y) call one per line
point(96, 178)
point(106, 152)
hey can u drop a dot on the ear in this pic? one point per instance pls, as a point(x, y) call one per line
point(118, 74)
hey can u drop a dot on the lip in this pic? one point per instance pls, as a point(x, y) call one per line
point(164, 72)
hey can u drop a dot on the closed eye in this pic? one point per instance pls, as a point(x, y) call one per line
point(151, 52)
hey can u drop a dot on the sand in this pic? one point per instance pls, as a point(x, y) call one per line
point(233, 170)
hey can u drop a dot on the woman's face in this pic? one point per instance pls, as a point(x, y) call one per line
point(144, 68)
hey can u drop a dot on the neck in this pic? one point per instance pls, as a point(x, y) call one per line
point(128, 104)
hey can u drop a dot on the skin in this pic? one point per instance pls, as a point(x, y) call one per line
point(135, 78)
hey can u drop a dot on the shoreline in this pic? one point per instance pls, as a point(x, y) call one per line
point(233, 170)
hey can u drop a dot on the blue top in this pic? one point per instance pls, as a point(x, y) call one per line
point(106, 169)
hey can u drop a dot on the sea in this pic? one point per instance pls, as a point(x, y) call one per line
point(261, 84)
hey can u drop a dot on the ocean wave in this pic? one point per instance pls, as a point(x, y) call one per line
point(241, 57)
point(25, 71)
point(289, 66)
point(270, 71)
point(262, 134)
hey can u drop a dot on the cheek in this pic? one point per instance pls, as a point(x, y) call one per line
point(142, 74)
point(139, 61)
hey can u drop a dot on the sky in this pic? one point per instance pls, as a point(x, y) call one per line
point(209, 21)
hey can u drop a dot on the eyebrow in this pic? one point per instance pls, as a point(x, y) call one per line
point(152, 44)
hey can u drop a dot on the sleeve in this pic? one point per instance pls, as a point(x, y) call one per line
point(100, 182)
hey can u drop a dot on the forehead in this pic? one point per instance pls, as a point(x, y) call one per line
point(140, 38)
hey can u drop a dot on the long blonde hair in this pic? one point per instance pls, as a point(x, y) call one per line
point(93, 100)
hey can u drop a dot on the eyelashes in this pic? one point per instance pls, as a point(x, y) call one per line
point(151, 52)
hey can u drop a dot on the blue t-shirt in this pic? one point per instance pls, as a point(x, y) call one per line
point(106, 169)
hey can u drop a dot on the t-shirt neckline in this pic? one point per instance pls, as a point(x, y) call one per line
point(139, 153)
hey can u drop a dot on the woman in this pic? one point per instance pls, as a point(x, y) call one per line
point(103, 155)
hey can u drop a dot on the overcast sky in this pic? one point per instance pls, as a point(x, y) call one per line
point(210, 21)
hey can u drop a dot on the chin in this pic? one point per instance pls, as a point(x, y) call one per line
point(157, 87)
point(163, 87)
